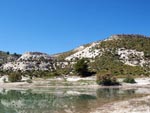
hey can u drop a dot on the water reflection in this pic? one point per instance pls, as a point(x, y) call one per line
point(16, 101)
point(113, 92)
point(107, 92)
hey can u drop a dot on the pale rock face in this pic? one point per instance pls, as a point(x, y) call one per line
point(34, 61)
point(17, 66)
point(8, 66)
point(87, 52)
point(31, 61)
point(131, 57)
point(34, 56)
point(90, 51)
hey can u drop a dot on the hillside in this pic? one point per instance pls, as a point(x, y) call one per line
point(33, 61)
point(137, 43)
point(118, 54)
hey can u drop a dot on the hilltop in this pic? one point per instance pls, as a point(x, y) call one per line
point(7, 57)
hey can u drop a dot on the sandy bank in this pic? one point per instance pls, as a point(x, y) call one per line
point(73, 82)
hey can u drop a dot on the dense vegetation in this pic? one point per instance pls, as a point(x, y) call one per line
point(109, 62)
point(137, 42)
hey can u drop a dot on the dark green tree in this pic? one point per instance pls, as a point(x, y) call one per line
point(7, 53)
point(81, 68)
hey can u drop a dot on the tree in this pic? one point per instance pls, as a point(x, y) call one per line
point(81, 68)
point(7, 53)
point(15, 54)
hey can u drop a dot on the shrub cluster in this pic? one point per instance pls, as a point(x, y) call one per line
point(129, 79)
point(110, 62)
point(106, 80)
point(14, 77)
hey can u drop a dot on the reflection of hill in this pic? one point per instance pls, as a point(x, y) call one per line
point(30, 102)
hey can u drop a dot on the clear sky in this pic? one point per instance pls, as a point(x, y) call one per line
point(54, 26)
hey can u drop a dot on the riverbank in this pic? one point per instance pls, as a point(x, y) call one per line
point(76, 82)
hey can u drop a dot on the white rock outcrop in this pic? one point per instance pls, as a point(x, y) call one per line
point(87, 52)
point(131, 57)
point(31, 61)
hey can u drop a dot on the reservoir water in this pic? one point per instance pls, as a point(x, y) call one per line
point(61, 100)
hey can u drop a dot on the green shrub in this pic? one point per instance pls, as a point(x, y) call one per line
point(106, 80)
point(129, 79)
point(14, 77)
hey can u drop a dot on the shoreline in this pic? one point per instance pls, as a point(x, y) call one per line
point(48, 83)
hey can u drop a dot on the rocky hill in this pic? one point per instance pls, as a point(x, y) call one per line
point(33, 61)
point(124, 46)
point(118, 54)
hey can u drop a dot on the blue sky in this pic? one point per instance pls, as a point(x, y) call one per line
point(54, 26)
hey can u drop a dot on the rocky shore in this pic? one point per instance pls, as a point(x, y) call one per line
point(73, 82)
